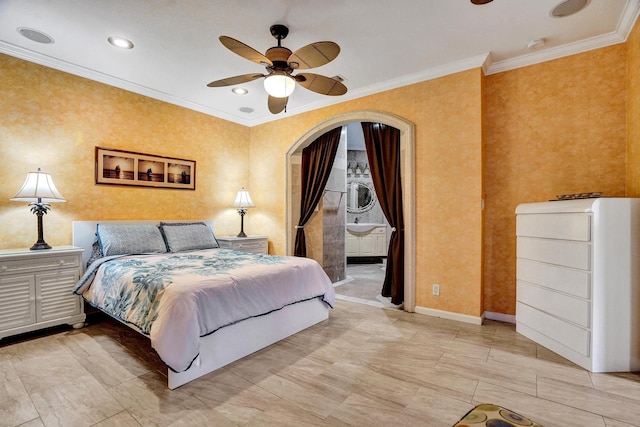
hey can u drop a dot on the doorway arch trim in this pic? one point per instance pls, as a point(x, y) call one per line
point(407, 159)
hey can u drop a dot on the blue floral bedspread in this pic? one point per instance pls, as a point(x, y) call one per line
point(176, 298)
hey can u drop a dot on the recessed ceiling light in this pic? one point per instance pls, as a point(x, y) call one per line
point(239, 91)
point(120, 42)
point(568, 7)
point(35, 35)
point(246, 109)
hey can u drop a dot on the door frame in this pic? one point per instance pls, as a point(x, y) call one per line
point(407, 165)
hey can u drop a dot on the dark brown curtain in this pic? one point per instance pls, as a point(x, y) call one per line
point(383, 151)
point(317, 162)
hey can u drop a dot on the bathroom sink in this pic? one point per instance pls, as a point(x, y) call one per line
point(362, 227)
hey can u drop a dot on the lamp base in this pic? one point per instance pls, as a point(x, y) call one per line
point(40, 209)
point(40, 245)
point(242, 212)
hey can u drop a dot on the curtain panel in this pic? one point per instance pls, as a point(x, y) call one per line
point(317, 162)
point(382, 143)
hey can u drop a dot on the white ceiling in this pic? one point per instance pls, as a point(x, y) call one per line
point(384, 44)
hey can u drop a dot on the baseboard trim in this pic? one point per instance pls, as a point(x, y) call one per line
point(500, 317)
point(476, 320)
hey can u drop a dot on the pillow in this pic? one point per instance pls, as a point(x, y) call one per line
point(188, 236)
point(130, 239)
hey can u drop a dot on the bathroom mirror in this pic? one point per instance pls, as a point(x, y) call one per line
point(360, 197)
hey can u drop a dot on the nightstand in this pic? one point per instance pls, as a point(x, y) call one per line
point(251, 244)
point(35, 289)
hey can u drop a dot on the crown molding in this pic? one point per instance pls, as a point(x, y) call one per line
point(624, 28)
point(409, 79)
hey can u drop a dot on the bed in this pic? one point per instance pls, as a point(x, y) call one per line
point(201, 306)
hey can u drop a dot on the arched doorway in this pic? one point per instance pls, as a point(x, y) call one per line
point(407, 142)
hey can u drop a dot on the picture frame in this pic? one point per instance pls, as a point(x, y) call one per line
point(119, 167)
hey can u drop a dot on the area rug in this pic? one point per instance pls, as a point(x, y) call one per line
point(494, 416)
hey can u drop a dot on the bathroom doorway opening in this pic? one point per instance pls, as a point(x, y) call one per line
point(407, 158)
point(367, 231)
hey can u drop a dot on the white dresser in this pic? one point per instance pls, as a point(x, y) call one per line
point(251, 244)
point(578, 280)
point(35, 289)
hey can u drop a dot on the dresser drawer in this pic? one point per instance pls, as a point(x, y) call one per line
point(39, 264)
point(559, 252)
point(567, 280)
point(564, 226)
point(567, 334)
point(564, 306)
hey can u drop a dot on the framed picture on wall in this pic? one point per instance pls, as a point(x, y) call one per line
point(118, 167)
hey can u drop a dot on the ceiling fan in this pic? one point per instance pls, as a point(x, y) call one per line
point(281, 63)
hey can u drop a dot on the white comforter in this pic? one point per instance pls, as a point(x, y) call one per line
point(176, 298)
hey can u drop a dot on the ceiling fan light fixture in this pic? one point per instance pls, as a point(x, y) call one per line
point(279, 85)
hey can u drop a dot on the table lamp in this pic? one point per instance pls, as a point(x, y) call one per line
point(242, 202)
point(39, 190)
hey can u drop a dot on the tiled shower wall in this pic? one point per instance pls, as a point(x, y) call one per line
point(334, 208)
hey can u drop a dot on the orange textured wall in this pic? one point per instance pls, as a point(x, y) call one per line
point(446, 113)
point(53, 120)
point(552, 128)
point(633, 113)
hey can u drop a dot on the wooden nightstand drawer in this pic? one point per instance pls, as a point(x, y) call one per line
point(251, 244)
point(45, 263)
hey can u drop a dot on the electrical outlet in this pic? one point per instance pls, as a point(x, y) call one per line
point(436, 289)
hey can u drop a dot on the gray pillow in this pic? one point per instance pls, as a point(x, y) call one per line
point(188, 236)
point(130, 239)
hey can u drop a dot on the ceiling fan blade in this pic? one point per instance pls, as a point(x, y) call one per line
point(276, 105)
point(230, 81)
point(321, 84)
point(245, 51)
point(314, 55)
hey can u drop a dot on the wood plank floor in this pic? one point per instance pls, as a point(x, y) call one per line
point(365, 366)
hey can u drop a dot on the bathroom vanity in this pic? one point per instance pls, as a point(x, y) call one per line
point(366, 240)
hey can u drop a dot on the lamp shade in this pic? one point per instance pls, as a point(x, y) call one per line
point(243, 200)
point(279, 85)
point(38, 185)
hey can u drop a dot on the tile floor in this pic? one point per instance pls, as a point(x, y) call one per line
point(365, 366)
point(363, 285)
